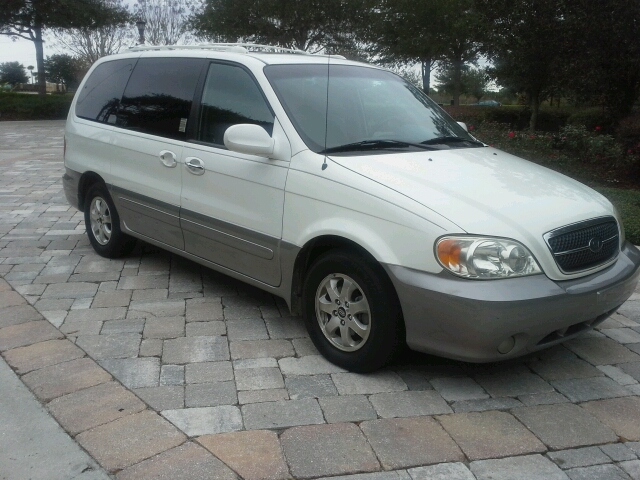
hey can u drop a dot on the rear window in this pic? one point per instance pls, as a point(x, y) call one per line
point(100, 96)
point(159, 96)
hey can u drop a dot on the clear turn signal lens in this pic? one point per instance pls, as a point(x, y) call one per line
point(485, 258)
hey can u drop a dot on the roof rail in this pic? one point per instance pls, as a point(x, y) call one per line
point(222, 47)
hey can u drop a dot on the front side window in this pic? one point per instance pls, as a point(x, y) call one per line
point(344, 108)
point(159, 96)
point(230, 97)
point(101, 93)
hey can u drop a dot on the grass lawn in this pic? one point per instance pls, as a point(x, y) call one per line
point(627, 202)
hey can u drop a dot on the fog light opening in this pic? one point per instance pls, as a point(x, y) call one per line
point(506, 346)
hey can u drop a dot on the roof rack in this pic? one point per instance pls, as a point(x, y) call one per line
point(222, 47)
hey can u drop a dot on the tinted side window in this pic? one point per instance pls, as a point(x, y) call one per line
point(100, 96)
point(231, 96)
point(159, 95)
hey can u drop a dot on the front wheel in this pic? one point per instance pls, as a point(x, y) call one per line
point(103, 224)
point(351, 311)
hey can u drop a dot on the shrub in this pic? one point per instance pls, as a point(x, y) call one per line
point(19, 106)
point(593, 119)
point(590, 146)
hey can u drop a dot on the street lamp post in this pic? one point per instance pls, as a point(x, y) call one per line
point(141, 24)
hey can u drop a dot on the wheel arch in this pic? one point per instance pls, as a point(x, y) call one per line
point(87, 179)
point(315, 247)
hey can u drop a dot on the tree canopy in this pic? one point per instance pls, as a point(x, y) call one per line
point(13, 73)
point(29, 18)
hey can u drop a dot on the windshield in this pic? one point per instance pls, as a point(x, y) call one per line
point(363, 109)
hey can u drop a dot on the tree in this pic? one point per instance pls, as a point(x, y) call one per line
point(472, 81)
point(64, 69)
point(166, 20)
point(523, 38)
point(89, 44)
point(13, 73)
point(29, 18)
point(301, 24)
point(601, 53)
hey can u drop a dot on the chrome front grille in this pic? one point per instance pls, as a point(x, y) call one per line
point(584, 245)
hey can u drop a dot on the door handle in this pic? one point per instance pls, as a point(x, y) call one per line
point(194, 165)
point(168, 158)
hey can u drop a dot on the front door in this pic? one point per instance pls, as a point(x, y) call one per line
point(232, 203)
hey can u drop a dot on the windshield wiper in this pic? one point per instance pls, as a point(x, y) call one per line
point(375, 145)
point(450, 139)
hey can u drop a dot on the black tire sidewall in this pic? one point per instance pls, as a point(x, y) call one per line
point(386, 317)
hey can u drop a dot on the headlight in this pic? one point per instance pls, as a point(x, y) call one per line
point(485, 258)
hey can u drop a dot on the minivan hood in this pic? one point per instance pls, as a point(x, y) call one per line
point(484, 190)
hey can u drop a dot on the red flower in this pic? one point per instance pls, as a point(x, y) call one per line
point(470, 127)
point(598, 127)
point(511, 134)
point(629, 151)
point(532, 136)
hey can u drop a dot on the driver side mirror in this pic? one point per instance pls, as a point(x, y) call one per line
point(249, 139)
point(463, 125)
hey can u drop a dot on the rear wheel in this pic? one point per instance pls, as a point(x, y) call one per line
point(351, 311)
point(103, 224)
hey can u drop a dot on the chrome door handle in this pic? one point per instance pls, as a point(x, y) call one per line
point(168, 158)
point(194, 165)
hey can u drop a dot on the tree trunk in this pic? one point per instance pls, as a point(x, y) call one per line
point(457, 81)
point(42, 82)
point(426, 75)
point(535, 107)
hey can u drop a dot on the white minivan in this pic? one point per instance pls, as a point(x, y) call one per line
point(346, 191)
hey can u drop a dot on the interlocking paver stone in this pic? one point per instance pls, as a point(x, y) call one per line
point(204, 311)
point(409, 404)
point(292, 327)
point(378, 382)
point(564, 426)
point(335, 449)
point(208, 372)
point(252, 329)
point(618, 452)
point(347, 408)
point(172, 375)
point(63, 378)
point(596, 472)
point(255, 455)
point(88, 408)
point(585, 389)
point(198, 329)
point(43, 354)
point(122, 326)
point(564, 368)
point(602, 351)
point(622, 335)
point(168, 397)
point(24, 334)
point(409, 442)
point(310, 386)
point(261, 348)
point(309, 365)
point(442, 471)
point(100, 347)
point(282, 414)
point(70, 290)
point(632, 369)
point(186, 462)
point(455, 389)
point(134, 372)
point(579, 457)
point(169, 327)
point(483, 435)
point(18, 314)
point(632, 468)
point(512, 385)
point(617, 375)
point(129, 440)
point(205, 420)
point(211, 394)
point(261, 396)
point(488, 404)
point(542, 399)
point(195, 349)
point(621, 414)
point(143, 282)
point(259, 378)
point(531, 467)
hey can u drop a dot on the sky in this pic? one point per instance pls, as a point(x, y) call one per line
point(22, 51)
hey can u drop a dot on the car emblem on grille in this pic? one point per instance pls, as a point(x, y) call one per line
point(595, 244)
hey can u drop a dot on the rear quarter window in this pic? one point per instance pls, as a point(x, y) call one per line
point(100, 97)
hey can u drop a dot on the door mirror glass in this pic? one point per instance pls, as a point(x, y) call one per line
point(249, 139)
point(463, 125)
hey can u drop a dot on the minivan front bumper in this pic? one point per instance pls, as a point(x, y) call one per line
point(474, 321)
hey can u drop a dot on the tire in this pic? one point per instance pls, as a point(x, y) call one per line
point(358, 328)
point(104, 228)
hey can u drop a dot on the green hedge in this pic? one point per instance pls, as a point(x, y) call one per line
point(594, 119)
point(21, 106)
point(517, 117)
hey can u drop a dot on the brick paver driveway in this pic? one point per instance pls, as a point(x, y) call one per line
point(160, 367)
